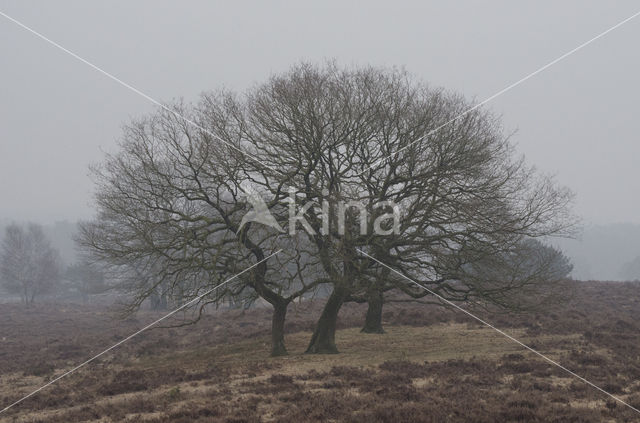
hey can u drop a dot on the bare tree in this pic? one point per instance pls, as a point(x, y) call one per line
point(522, 278)
point(170, 206)
point(29, 266)
point(86, 279)
point(386, 146)
point(370, 136)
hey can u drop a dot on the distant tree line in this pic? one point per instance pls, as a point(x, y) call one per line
point(631, 270)
point(31, 268)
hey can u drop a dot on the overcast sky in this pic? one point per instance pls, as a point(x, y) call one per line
point(578, 119)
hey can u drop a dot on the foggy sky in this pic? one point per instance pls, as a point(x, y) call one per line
point(577, 120)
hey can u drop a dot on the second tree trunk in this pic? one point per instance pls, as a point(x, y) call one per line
point(373, 319)
point(323, 340)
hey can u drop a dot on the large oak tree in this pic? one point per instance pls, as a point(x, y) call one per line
point(370, 136)
point(171, 200)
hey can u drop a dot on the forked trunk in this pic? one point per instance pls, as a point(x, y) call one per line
point(373, 319)
point(323, 340)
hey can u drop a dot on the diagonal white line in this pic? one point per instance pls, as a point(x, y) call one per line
point(136, 333)
point(555, 363)
point(152, 100)
point(134, 89)
point(504, 90)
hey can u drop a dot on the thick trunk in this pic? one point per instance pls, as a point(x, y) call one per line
point(373, 320)
point(278, 302)
point(323, 340)
point(277, 330)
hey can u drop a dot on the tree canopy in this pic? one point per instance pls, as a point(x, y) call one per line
point(345, 160)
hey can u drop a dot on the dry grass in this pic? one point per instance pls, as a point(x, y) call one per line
point(422, 369)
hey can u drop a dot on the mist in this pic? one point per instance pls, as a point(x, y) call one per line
point(575, 120)
point(199, 201)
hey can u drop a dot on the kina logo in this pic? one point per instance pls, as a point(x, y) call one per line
point(260, 212)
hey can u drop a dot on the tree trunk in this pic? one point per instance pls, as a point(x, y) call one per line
point(373, 319)
point(323, 340)
point(277, 330)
